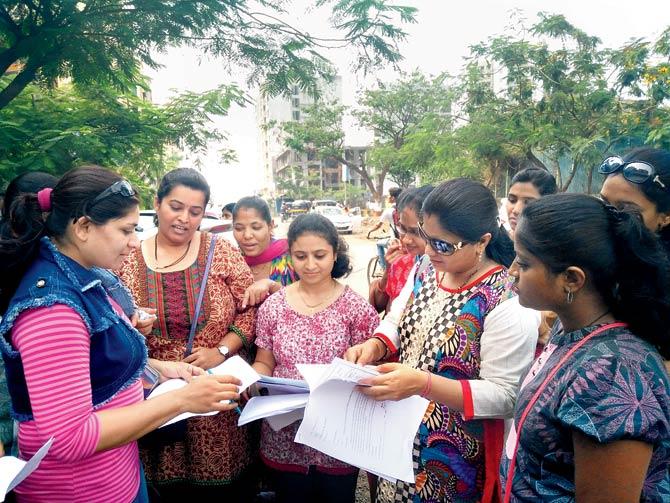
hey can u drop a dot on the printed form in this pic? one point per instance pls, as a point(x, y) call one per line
point(345, 424)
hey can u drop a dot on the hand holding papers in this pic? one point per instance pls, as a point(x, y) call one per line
point(234, 366)
point(13, 471)
point(345, 424)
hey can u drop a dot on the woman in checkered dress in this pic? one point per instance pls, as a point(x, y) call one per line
point(463, 342)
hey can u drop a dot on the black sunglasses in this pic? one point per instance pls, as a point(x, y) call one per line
point(635, 172)
point(121, 187)
point(440, 245)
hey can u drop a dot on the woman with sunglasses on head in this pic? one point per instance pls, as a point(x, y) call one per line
point(72, 357)
point(463, 342)
point(641, 181)
point(405, 253)
point(268, 258)
point(592, 422)
point(209, 457)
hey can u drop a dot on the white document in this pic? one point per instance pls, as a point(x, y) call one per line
point(281, 421)
point(267, 406)
point(234, 366)
point(13, 471)
point(345, 424)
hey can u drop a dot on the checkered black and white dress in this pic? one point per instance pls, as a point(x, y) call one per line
point(440, 332)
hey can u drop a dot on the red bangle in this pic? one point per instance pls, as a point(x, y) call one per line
point(429, 384)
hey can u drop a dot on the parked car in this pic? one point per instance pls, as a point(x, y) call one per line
point(341, 221)
point(325, 202)
point(210, 223)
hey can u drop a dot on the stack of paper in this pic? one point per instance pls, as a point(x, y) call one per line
point(13, 470)
point(279, 410)
point(342, 422)
point(234, 366)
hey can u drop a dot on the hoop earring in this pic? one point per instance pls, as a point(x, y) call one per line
point(570, 297)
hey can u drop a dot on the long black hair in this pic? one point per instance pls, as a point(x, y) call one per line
point(542, 180)
point(468, 209)
point(72, 197)
point(623, 261)
point(413, 198)
point(254, 203)
point(313, 223)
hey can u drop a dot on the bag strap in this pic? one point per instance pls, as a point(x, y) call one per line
point(201, 295)
point(536, 396)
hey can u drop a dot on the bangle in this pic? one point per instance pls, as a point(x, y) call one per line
point(429, 384)
point(240, 334)
point(386, 348)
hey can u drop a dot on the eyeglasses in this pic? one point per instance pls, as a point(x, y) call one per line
point(403, 231)
point(122, 187)
point(439, 245)
point(635, 172)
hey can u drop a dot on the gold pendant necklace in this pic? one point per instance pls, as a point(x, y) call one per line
point(311, 306)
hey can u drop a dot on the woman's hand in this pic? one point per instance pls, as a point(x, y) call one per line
point(367, 352)
point(143, 323)
point(205, 358)
point(210, 393)
point(394, 251)
point(176, 370)
point(396, 382)
point(259, 291)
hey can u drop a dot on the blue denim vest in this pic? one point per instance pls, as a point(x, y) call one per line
point(118, 352)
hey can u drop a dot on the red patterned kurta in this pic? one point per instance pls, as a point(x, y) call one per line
point(216, 451)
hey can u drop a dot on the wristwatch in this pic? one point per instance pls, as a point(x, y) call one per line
point(224, 351)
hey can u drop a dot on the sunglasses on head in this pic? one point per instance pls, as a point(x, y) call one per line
point(440, 245)
point(121, 187)
point(637, 172)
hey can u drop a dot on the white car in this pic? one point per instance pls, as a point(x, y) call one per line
point(146, 227)
point(341, 221)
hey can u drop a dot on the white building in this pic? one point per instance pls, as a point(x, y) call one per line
point(271, 112)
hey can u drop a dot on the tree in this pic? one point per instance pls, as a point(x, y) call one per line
point(55, 130)
point(393, 112)
point(562, 97)
point(95, 41)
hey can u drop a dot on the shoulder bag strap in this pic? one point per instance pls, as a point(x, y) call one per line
point(536, 396)
point(201, 295)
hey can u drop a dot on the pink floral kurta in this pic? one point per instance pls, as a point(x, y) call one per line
point(295, 338)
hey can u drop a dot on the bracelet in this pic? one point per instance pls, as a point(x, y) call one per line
point(429, 384)
point(387, 351)
point(240, 334)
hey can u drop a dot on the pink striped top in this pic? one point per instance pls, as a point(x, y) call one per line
point(55, 349)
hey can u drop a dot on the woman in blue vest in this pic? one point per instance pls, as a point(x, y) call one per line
point(73, 359)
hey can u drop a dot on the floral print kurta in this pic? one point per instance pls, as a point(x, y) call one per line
point(216, 451)
point(613, 388)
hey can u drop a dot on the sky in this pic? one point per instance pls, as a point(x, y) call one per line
point(438, 42)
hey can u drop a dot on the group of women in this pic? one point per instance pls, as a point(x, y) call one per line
point(465, 301)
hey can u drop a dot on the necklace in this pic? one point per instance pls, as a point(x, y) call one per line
point(594, 321)
point(467, 280)
point(188, 247)
point(312, 306)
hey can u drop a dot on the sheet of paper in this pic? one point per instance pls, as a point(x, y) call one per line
point(317, 374)
point(312, 372)
point(265, 406)
point(13, 471)
point(281, 421)
point(234, 366)
point(345, 424)
point(279, 386)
